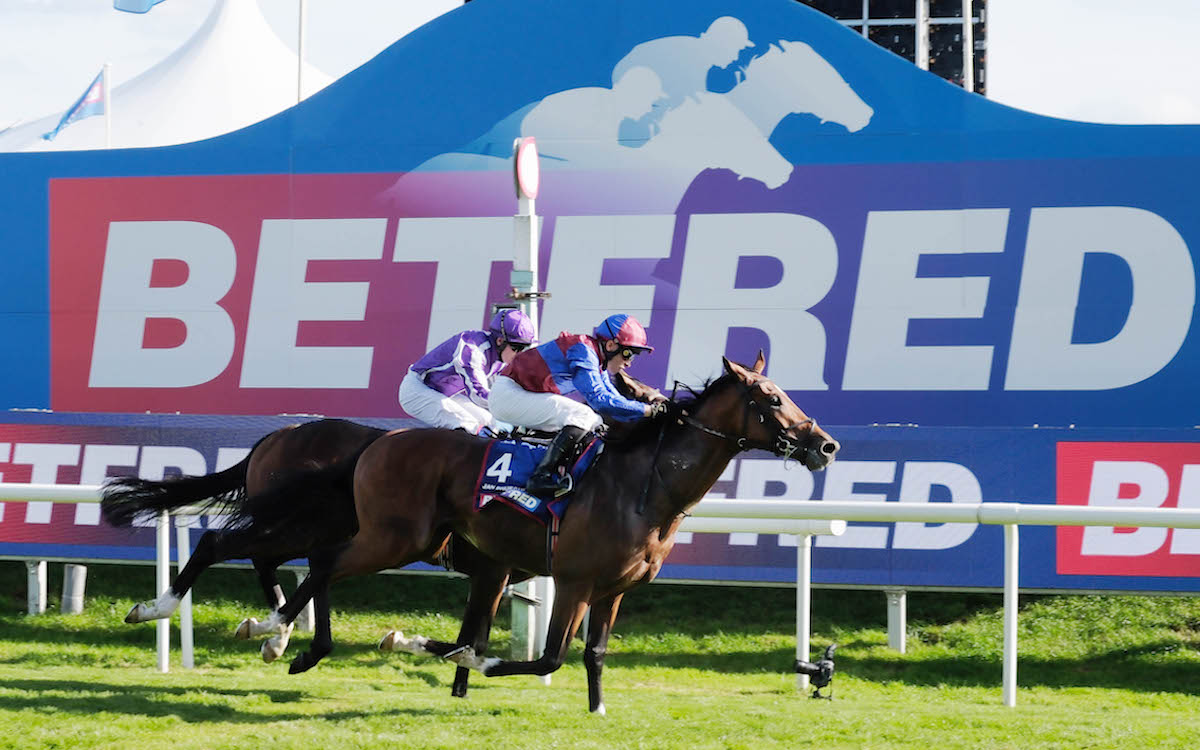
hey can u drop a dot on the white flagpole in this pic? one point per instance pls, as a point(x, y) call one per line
point(107, 105)
point(300, 51)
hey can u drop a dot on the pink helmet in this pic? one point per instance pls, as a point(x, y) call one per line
point(512, 325)
point(625, 330)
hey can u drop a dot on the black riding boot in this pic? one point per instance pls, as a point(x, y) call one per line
point(550, 478)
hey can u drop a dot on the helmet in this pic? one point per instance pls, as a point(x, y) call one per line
point(625, 330)
point(512, 325)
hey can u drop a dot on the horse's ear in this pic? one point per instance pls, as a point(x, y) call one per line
point(733, 368)
point(760, 363)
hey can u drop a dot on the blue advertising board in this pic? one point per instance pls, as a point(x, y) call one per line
point(1018, 291)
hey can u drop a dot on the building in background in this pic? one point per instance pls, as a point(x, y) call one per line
point(903, 25)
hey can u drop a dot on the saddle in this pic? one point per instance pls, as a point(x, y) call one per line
point(507, 465)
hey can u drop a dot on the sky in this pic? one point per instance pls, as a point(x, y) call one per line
point(1121, 61)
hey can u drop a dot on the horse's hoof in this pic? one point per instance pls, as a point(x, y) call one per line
point(245, 629)
point(458, 691)
point(272, 650)
point(301, 663)
point(135, 614)
point(599, 711)
point(396, 641)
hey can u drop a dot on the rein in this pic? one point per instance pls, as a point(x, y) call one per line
point(781, 445)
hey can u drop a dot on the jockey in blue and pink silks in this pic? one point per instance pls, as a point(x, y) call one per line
point(532, 392)
point(451, 385)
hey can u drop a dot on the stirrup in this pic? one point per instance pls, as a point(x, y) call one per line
point(560, 486)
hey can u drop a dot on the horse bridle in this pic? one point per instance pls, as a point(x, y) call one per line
point(781, 444)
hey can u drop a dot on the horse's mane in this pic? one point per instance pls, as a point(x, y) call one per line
point(631, 436)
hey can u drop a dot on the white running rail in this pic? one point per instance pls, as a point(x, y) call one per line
point(801, 517)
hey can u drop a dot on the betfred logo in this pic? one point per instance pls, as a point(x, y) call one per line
point(1129, 475)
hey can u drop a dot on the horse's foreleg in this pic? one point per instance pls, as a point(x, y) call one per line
point(570, 603)
point(204, 556)
point(604, 614)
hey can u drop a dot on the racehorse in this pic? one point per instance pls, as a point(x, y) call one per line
point(413, 489)
point(275, 457)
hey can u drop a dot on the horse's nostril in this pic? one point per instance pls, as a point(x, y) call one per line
point(830, 448)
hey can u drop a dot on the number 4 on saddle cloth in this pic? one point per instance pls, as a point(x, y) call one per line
point(509, 463)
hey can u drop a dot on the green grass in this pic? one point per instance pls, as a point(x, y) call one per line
point(689, 667)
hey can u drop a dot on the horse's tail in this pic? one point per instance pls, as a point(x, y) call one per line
point(124, 498)
point(310, 506)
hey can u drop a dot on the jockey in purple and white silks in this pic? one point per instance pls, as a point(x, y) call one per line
point(450, 386)
point(532, 392)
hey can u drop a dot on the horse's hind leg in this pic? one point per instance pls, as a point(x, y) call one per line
point(272, 592)
point(206, 554)
point(486, 590)
point(570, 603)
point(360, 555)
point(604, 614)
point(322, 642)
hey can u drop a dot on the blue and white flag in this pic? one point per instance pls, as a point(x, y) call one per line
point(91, 103)
point(135, 6)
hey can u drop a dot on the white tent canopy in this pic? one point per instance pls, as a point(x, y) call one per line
point(233, 72)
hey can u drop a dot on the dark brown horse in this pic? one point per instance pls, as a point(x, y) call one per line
point(413, 489)
point(273, 459)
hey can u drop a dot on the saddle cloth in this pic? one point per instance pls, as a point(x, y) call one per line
point(506, 467)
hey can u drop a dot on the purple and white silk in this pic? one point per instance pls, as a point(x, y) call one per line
point(464, 363)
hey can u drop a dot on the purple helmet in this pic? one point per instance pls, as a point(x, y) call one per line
point(625, 330)
point(512, 325)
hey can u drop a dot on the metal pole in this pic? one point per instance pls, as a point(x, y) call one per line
point(897, 618)
point(968, 43)
point(162, 573)
point(183, 547)
point(922, 35)
point(1011, 584)
point(35, 571)
point(307, 619)
point(107, 105)
point(74, 585)
point(803, 602)
point(300, 29)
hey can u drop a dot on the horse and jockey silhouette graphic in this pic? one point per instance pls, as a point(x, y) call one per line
point(648, 125)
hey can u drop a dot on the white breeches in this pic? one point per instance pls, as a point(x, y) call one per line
point(436, 409)
point(539, 411)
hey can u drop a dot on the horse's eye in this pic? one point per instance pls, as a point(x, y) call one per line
point(776, 402)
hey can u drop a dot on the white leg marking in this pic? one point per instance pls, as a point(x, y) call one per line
point(245, 629)
point(600, 710)
point(396, 641)
point(273, 647)
point(467, 658)
point(162, 607)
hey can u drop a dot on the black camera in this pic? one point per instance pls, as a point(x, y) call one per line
point(819, 673)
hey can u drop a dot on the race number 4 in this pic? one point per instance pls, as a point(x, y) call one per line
point(500, 469)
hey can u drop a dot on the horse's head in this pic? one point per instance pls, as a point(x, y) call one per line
point(760, 415)
point(808, 84)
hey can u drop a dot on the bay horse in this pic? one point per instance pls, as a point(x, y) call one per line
point(413, 489)
point(274, 458)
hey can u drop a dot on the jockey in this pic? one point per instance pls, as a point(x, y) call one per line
point(450, 386)
point(531, 392)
